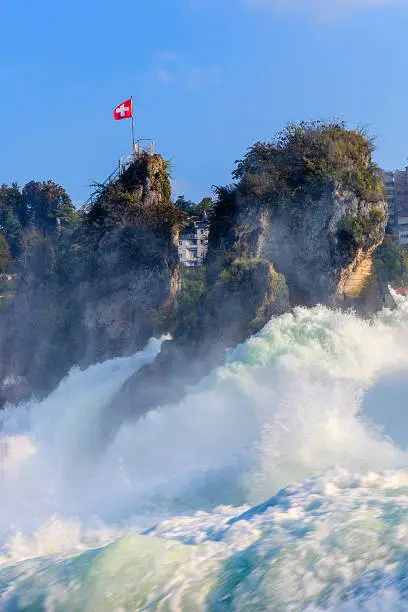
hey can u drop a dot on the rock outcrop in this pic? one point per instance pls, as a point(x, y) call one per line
point(298, 228)
point(312, 204)
point(103, 292)
point(136, 227)
point(320, 248)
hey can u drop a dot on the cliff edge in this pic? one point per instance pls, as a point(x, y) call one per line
point(100, 292)
point(311, 203)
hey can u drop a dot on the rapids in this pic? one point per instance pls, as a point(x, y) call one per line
point(279, 483)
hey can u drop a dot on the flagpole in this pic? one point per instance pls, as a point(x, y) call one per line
point(133, 128)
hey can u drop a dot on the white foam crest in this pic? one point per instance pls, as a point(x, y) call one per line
point(45, 461)
point(337, 542)
point(57, 537)
point(285, 406)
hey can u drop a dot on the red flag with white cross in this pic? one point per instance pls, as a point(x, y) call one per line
point(124, 110)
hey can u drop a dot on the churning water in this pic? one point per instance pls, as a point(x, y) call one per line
point(280, 483)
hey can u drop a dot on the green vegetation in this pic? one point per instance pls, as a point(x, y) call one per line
point(391, 263)
point(160, 174)
point(5, 256)
point(300, 168)
point(35, 208)
point(124, 202)
point(246, 293)
point(306, 159)
point(186, 317)
point(192, 209)
point(244, 272)
point(240, 272)
point(43, 203)
point(279, 287)
point(357, 228)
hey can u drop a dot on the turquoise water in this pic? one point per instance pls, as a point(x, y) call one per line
point(270, 487)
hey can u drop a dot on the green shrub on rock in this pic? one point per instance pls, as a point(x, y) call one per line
point(306, 159)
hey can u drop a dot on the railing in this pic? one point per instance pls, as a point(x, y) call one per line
point(143, 145)
point(95, 194)
point(188, 237)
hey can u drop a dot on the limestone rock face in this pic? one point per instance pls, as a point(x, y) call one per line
point(107, 292)
point(356, 276)
point(121, 307)
point(323, 249)
point(243, 299)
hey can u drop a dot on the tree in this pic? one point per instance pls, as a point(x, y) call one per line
point(305, 159)
point(5, 257)
point(391, 262)
point(192, 209)
point(12, 216)
point(13, 199)
point(187, 206)
point(205, 206)
point(45, 202)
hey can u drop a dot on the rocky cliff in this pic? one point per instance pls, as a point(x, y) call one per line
point(298, 227)
point(318, 226)
point(324, 249)
point(100, 293)
point(134, 229)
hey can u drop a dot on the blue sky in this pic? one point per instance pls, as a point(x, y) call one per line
point(208, 77)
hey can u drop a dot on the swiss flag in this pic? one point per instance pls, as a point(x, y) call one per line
point(124, 110)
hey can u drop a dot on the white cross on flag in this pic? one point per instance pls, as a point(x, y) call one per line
point(124, 110)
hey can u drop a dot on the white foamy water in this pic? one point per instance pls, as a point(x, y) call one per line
point(172, 515)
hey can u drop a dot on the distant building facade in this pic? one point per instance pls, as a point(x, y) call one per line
point(193, 244)
point(388, 178)
point(396, 185)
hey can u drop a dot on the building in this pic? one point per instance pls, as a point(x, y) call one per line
point(193, 244)
point(388, 178)
point(396, 185)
